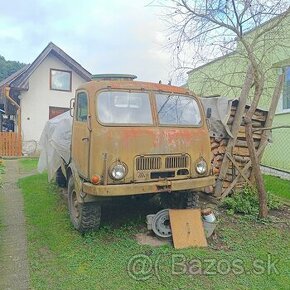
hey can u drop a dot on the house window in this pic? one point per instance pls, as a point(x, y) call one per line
point(286, 92)
point(82, 107)
point(60, 80)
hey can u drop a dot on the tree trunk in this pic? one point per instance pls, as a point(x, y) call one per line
point(263, 208)
point(259, 85)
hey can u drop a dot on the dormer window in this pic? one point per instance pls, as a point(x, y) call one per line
point(60, 80)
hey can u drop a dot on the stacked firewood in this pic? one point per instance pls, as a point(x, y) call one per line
point(240, 151)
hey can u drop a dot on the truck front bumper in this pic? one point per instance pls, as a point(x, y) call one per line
point(150, 187)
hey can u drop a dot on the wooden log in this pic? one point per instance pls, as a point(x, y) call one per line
point(242, 135)
point(234, 172)
point(260, 113)
point(217, 164)
point(243, 143)
point(224, 142)
point(256, 117)
point(218, 139)
point(219, 158)
point(241, 159)
point(255, 123)
point(216, 171)
point(246, 167)
point(214, 145)
point(215, 151)
point(259, 118)
point(243, 130)
point(241, 151)
point(221, 149)
point(235, 128)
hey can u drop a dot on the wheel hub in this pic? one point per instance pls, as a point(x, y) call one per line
point(161, 224)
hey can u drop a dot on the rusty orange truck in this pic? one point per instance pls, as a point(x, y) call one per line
point(134, 138)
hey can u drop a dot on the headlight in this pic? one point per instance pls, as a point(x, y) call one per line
point(201, 167)
point(118, 171)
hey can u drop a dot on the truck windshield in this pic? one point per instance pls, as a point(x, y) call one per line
point(177, 110)
point(124, 108)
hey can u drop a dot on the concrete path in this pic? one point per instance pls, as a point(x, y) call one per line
point(13, 254)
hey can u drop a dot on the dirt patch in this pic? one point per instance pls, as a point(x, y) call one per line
point(150, 240)
point(14, 272)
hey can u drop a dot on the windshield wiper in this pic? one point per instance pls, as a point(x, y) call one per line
point(164, 104)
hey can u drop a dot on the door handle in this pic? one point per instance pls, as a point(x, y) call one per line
point(85, 139)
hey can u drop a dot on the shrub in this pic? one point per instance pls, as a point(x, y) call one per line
point(246, 201)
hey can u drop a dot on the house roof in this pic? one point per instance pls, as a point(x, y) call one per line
point(20, 79)
point(211, 62)
point(12, 77)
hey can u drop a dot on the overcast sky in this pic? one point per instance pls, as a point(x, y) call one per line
point(104, 36)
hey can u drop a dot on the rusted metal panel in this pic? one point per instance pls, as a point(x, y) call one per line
point(175, 166)
point(150, 152)
point(146, 187)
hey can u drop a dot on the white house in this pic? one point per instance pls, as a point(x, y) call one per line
point(43, 90)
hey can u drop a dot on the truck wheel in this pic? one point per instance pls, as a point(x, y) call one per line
point(60, 178)
point(192, 199)
point(179, 200)
point(85, 217)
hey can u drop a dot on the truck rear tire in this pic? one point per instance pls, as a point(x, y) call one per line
point(85, 217)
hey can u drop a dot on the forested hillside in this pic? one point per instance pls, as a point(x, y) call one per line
point(8, 67)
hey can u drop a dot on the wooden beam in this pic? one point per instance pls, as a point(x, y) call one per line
point(239, 169)
point(265, 134)
point(244, 170)
point(235, 128)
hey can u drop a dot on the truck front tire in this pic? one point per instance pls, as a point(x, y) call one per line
point(180, 200)
point(85, 217)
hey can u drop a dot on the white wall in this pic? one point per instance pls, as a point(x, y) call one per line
point(36, 101)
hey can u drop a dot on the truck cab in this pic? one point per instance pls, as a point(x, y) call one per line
point(134, 138)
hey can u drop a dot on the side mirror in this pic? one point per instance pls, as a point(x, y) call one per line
point(208, 113)
point(71, 107)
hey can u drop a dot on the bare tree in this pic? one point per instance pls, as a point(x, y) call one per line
point(213, 28)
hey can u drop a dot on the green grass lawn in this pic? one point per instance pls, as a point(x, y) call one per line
point(28, 164)
point(60, 258)
point(277, 186)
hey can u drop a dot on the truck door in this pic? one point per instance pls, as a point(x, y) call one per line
point(81, 135)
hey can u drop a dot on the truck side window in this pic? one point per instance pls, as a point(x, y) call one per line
point(82, 107)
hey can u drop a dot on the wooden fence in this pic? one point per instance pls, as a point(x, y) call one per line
point(10, 144)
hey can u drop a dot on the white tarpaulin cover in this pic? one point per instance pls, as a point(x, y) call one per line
point(55, 142)
point(220, 113)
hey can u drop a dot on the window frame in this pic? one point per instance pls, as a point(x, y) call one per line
point(60, 70)
point(178, 125)
point(76, 106)
point(153, 124)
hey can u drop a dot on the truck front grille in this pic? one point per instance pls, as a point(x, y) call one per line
point(154, 167)
point(148, 163)
point(176, 161)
